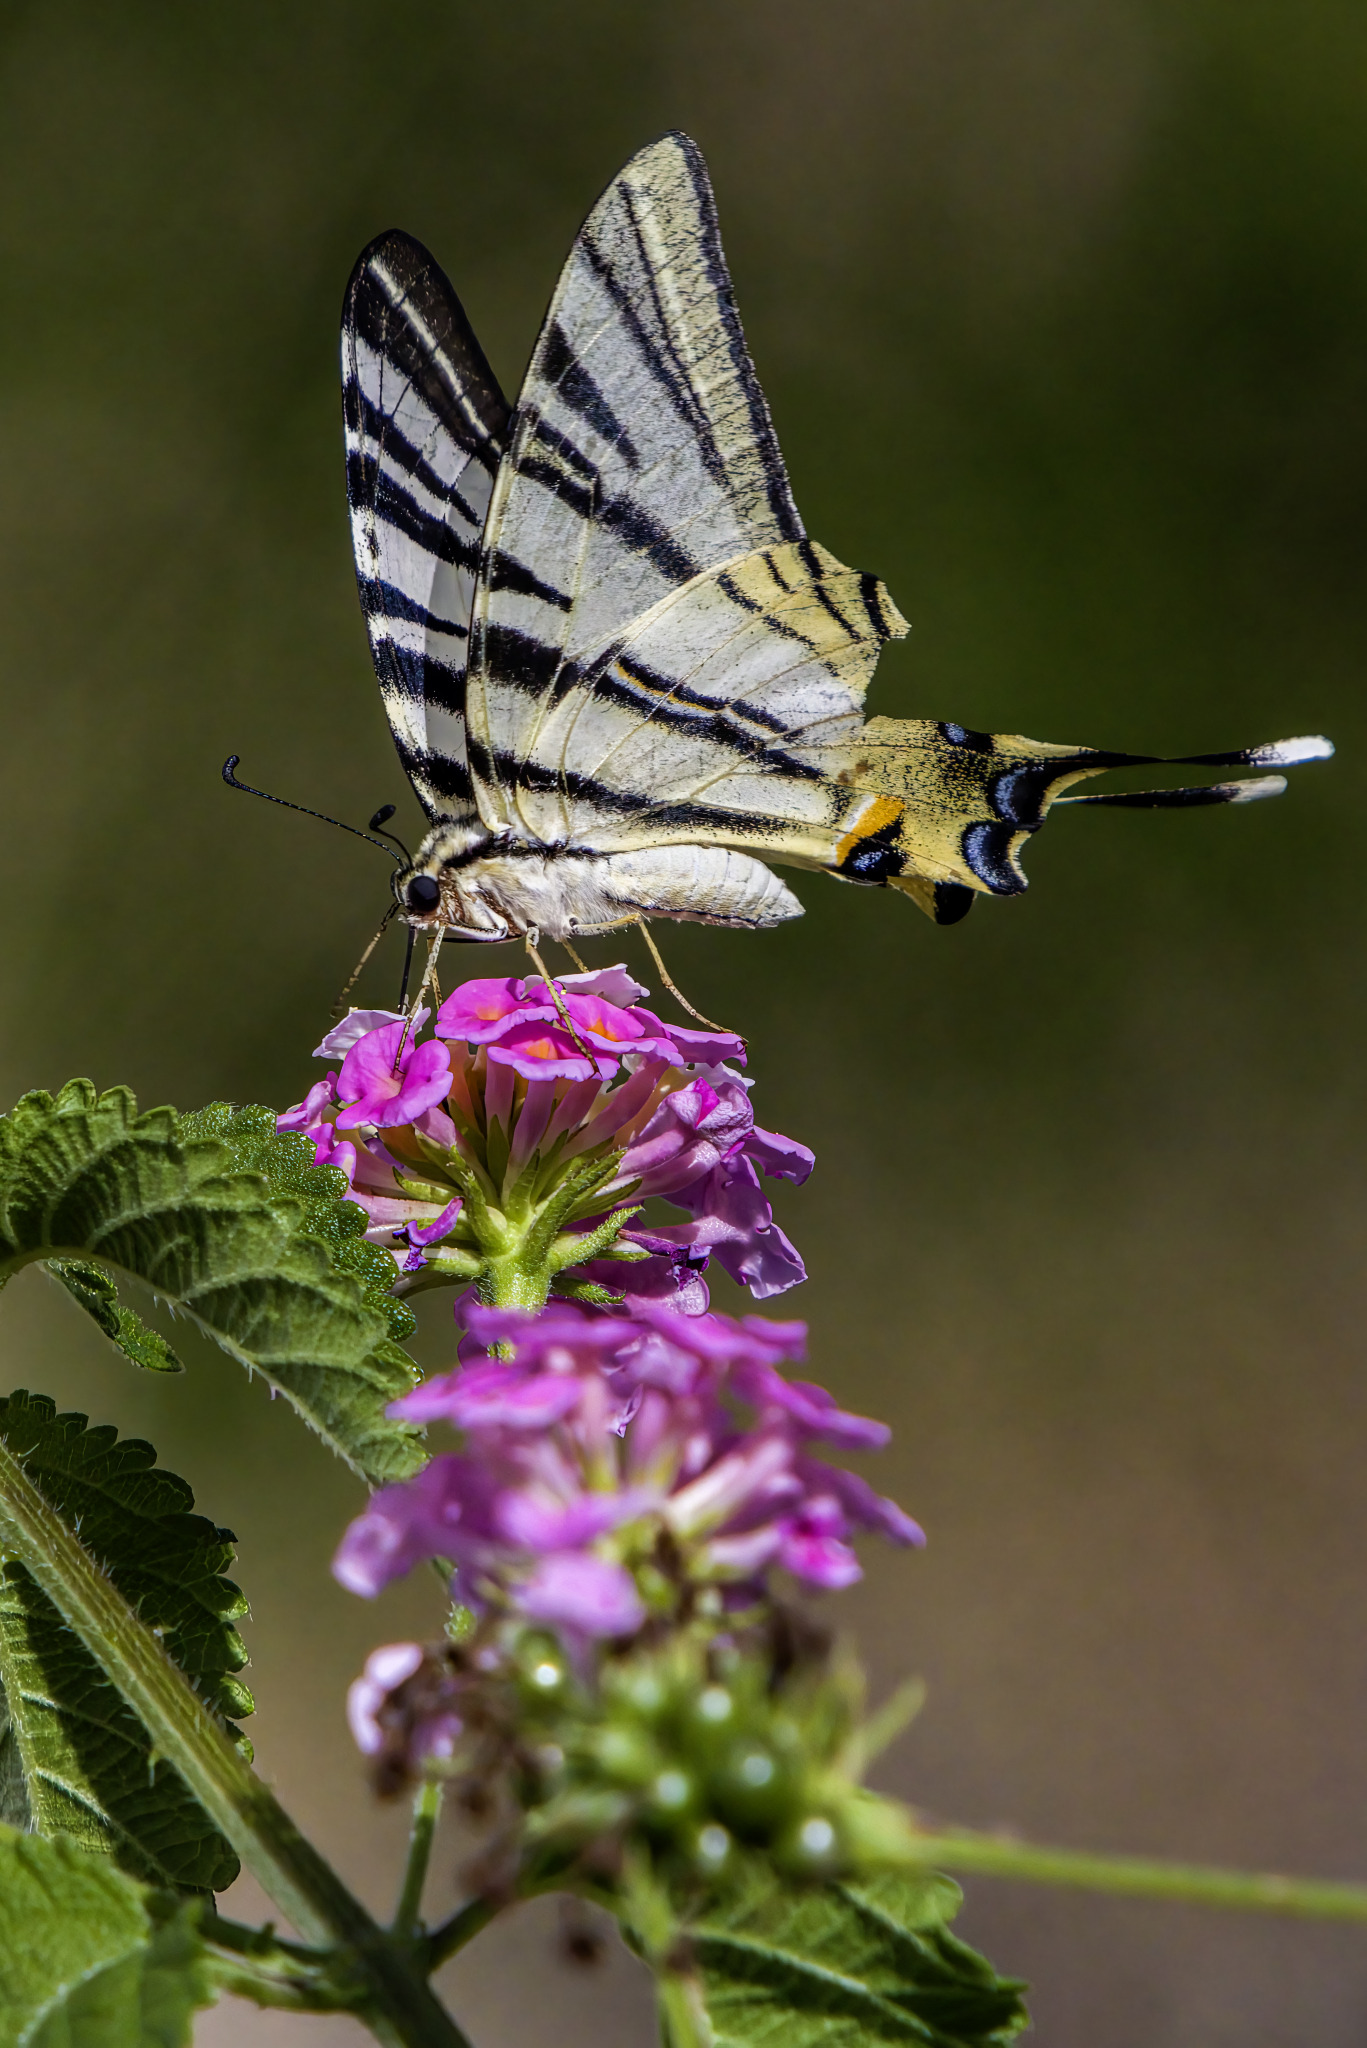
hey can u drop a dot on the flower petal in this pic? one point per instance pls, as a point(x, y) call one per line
point(586, 1595)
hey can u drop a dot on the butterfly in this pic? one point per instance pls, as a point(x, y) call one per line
point(620, 676)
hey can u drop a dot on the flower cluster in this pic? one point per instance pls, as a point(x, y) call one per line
point(613, 1468)
point(632, 1472)
point(519, 1139)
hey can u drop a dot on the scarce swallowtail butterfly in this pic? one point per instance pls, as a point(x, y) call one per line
point(619, 675)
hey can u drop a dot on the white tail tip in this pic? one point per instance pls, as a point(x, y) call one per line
point(1249, 792)
point(1286, 753)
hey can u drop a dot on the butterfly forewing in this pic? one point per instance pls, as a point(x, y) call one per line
point(425, 424)
point(641, 457)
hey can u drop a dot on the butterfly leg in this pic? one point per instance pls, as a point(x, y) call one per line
point(407, 969)
point(529, 940)
point(429, 980)
point(355, 974)
point(679, 997)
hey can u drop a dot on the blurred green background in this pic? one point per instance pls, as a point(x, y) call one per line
point(1061, 307)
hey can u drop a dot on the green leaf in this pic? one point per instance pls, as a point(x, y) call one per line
point(85, 1768)
point(92, 1287)
point(232, 1226)
point(846, 1965)
point(87, 1958)
point(284, 1159)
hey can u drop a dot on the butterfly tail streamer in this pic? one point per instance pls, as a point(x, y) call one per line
point(946, 812)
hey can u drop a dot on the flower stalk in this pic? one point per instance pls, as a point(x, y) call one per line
point(1140, 1877)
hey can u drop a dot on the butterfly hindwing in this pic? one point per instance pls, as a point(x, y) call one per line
point(425, 423)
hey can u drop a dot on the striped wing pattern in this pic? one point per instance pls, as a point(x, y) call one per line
point(641, 466)
point(599, 626)
point(425, 423)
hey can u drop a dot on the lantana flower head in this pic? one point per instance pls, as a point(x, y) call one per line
point(536, 1117)
point(615, 1468)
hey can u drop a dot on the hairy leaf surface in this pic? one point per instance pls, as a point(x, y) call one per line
point(96, 1293)
point(284, 1159)
point(845, 1965)
point(87, 1960)
point(232, 1226)
point(74, 1753)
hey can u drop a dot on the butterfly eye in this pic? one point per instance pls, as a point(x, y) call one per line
point(423, 894)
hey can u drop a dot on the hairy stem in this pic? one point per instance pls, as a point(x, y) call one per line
point(1138, 1877)
point(396, 2004)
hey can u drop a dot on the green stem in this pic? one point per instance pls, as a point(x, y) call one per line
point(1306, 1898)
point(426, 1808)
point(398, 2007)
point(464, 1924)
point(252, 1963)
point(683, 2016)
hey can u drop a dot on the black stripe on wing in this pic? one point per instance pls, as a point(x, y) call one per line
point(382, 600)
point(426, 423)
point(575, 384)
point(443, 783)
point(524, 663)
point(707, 821)
point(402, 303)
point(655, 343)
point(571, 478)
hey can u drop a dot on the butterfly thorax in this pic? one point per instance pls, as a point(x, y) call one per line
point(480, 885)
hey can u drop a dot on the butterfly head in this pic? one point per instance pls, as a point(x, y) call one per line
point(432, 901)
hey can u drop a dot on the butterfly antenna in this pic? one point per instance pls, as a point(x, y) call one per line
point(558, 999)
point(228, 776)
point(378, 823)
point(356, 970)
point(679, 997)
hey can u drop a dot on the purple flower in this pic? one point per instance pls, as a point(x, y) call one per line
point(358, 1024)
point(418, 1236)
point(521, 1101)
point(306, 1115)
point(404, 1710)
point(733, 1222)
point(385, 1669)
point(700, 1151)
point(401, 1525)
point(582, 1595)
point(389, 1079)
point(596, 1434)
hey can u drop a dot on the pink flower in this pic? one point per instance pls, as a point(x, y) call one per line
point(385, 1669)
point(404, 1710)
point(387, 1079)
point(508, 1091)
point(583, 1595)
point(357, 1024)
point(310, 1112)
point(480, 1011)
point(544, 1051)
point(600, 1432)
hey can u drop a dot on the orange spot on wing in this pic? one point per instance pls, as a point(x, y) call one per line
point(882, 811)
